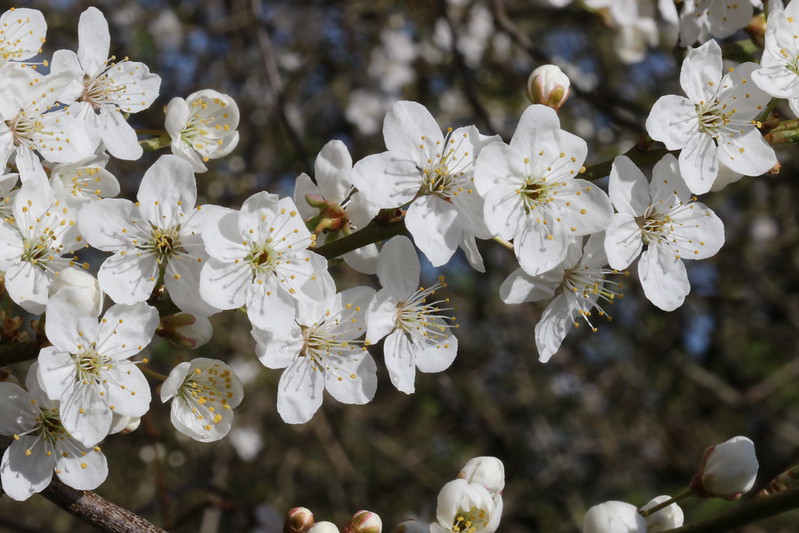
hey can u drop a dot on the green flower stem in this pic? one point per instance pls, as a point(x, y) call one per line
point(153, 373)
point(156, 143)
point(662, 505)
point(746, 513)
point(371, 233)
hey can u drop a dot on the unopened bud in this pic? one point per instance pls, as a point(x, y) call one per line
point(614, 517)
point(298, 520)
point(728, 470)
point(364, 522)
point(324, 527)
point(123, 423)
point(411, 526)
point(80, 289)
point(669, 517)
point(486, 471)
point(185, 330)
point(548, 85)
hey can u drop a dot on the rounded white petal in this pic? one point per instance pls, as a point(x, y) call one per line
point(614, 517)
point(663, 277)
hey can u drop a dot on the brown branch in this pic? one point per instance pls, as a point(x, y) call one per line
point(91, 508)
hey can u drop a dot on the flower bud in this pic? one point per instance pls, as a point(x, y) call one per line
point(464, 506)
point(411, 526)
point(614, 517)
point(324, 527)
point(728, 470)
point(548, 85)
point(123, 423)
point(298, 520)
point(667, 518)
point(364, 522)
point(185, 330)
point(486, 471)
point(84, 290)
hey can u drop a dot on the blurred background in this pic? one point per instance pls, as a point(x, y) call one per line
point(622, 414)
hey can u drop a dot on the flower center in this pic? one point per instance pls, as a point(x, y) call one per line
point(469, 521)
point(420, 319)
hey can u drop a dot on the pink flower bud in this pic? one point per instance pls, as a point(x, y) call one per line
point(185, 330)
point(364, 522)
point(548, 85)
point(298, 520)
point(614, 517)
point(728, 470)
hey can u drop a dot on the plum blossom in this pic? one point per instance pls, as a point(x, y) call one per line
point(464, 506)
point(28, 123)
point(202, 127)
point(22, 35)
point(531, 192)
point(432, 171)
point(87, 368)
point(41, 445)
point(332, 208)
point(86, 179)
point(161, 232)
point(104, 90)
point(204, 393)
point(578, 286)
point(33, 242)
point(779, 72)
point(715, 123)
point(418, 331)
point(321, 352)
point(664, 216)
point(259, 257)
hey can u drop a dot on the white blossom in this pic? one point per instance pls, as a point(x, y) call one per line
point(614, 517)
point(669, 517)
point(87, 368)
point(41, 445)
point(417, 331)
point(22, 35)
point(202, 127)
point(715, 123)
point(204, 393)
point(321, 352)
point(531, 192)
point(728, 469)
point(469, 507)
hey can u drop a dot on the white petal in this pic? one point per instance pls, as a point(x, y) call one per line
point(435, 229)
point(128, 277)
point(119, 137)
point(673, 121)
point(663, 278)
point(623, 241)
point(299, 392)
point(407, 126)
point(94, 41)
point(521, 287)
point(23, 474)
point(398, 267)
point(555, 323)
point(400, 361)
point(83, 472)
point(126, 330)
point(332, 171)
point(380, 317)
point(168, 192)
point(698, 163)
point(628, 189)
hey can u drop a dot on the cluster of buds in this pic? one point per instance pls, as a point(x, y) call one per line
point(728, 470)
point(301, 520)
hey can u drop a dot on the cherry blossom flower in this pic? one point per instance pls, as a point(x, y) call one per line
point(578, 286)
point(80, 288)
point(23, 33)
point(435, 173)
point(532, 195)
point(41, 445)
point(33, 242)
point(204, 393)
point(321, 352)
point(85, 180)
point(464, 506)
point(779, 72)
point(715, 123)
point(259, 257)
point(332, 208)
point(418, 331)
point(161, 232)
point(664, 216)
point(28, 123)
point(87, 367)
point(614, 517)
point(486, 471)
point(202, 127)
point(105, 89)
